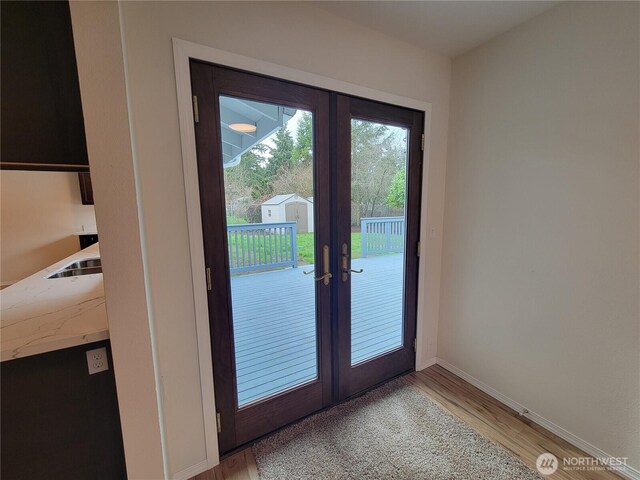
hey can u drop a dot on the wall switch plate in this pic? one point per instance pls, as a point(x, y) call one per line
point(97, 360)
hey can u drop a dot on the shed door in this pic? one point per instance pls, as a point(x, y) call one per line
point(297, 212)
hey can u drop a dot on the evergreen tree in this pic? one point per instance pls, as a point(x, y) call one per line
point(249, 177)
point(281, 153)
point(303, 152)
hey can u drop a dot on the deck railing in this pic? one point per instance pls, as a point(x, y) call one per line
point(382, 235)
point(262, 246)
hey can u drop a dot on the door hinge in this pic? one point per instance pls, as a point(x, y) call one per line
point(218, 422)
point(196, 115)
point(208, 271)
point(422, 145)
point(418, 249)
point(415, 344)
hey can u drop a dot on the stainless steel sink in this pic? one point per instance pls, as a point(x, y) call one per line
point(89, 266)
point(89, 262)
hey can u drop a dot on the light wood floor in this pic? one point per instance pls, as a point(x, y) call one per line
point(487, 416)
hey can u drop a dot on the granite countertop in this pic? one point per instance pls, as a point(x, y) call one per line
point(39, 315)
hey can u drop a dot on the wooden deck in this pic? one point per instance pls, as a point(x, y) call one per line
point(274, 323)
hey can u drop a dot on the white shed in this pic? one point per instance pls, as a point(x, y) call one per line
point(289, 208)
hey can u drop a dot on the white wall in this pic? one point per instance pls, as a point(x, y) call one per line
point(291, 34)
point(96, 31)
point(41, 211)
point(540, 291)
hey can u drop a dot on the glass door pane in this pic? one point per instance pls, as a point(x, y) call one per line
point(268, 189)
point(379, 156)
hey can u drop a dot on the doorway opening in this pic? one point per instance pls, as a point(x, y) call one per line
point(310, 215)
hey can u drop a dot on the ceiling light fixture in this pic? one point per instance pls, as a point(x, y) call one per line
point(243, 127)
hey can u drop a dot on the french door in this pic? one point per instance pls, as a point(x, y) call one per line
point(310, 219)
point(379, 147)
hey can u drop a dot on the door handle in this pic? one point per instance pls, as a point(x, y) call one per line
point(326, 276)
point(346, 269)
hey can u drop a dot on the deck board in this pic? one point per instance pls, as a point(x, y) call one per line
point(274, 323)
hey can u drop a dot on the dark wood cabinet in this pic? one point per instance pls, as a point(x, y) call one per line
point(40, 106)
point(59, 422)
point(87, 240)
point(86, 189)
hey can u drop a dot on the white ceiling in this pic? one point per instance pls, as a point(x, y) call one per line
point(447, 27)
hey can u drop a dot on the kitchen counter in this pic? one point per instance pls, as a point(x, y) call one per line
point(39, 315)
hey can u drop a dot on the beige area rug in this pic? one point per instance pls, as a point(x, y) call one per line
point(393, 432)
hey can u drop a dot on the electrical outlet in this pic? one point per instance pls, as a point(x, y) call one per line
point(97, 360)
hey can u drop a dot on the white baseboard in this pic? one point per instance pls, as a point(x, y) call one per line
point(626, 471)
point(426, 364)
point(191, 471)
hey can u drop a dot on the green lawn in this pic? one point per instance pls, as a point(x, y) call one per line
point(305, 247)
point(261, 247)
point(233, 220)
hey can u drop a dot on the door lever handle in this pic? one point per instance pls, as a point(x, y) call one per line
point(325, 263)
point(317, 279)
point(350, 270)
point(346, 268)
point(324, 277)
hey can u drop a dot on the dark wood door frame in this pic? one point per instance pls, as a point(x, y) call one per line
point(354, 380)
point(337, 380)
point(239, 426)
